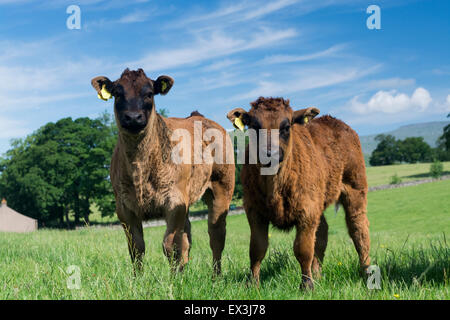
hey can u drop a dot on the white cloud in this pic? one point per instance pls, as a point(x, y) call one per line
point(393, 102)
point(448, 100)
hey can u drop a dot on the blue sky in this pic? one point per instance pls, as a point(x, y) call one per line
point(224, 54)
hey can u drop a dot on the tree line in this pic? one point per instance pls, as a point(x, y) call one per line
point(61, 168)
point(410, 150)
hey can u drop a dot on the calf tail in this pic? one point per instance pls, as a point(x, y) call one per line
point(337, 206)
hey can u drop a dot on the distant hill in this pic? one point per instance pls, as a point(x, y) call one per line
point(430, 131)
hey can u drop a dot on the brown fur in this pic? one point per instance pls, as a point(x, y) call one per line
point(147, 184)
point(196, 113)
point(323, 164)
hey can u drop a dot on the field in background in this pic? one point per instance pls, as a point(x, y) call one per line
point(375, 175)
point(407, 172)
point(408, 229)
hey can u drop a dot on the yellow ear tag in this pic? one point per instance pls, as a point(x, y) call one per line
point(238, 123)
point(306, 120)
point(163, 86)
point(104, 94)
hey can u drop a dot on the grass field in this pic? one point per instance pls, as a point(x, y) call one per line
point(408, 228)
point(407, 172)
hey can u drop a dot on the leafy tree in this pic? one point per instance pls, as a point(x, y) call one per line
point(414, 149)
point(436, 169)
point(410, 150)
point(395, 179)
point(164, 112)
point(386, 152)
point(63, 167)
point(444, 143)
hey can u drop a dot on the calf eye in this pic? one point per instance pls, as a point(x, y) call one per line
point(255, 124)
point(284, 131)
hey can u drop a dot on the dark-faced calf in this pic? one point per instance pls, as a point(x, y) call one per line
point(321, 163)
point(148, 184)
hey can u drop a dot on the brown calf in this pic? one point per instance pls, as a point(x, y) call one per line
point(321, 163)
point(148, 184)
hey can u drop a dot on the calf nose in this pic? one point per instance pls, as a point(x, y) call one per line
point(133, 118)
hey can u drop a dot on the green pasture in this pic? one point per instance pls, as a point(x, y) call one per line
point(409, 228)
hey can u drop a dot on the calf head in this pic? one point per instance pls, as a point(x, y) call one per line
point(133, 96)
point(272, 114)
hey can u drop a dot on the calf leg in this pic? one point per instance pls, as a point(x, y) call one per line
point(177, 239)
point(218, 203)
point(259, 241)
point(354, 202)
point(304, 252)
point(135, 238)
point(320, 246)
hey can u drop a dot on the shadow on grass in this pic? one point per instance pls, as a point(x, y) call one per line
point(418, 265)
point(276, 262)
point(425, 175)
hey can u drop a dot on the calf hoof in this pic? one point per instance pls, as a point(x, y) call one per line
point(215, 275)
point(363, 272)
point(317, 273)
point(307, 284)
point(217, 270)
point(252, 282)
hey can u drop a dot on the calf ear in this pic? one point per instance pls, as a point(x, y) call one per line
point(103, 86)
point(303, 116)
point(239, 118)
point(163, 84)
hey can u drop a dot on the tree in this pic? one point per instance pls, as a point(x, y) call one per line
point(164, 112)
point(414, 149)
point(444, 143)
point(386, 152)
point(63, 167)
point(436, 169)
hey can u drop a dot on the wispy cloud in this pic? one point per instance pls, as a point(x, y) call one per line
point(389, 83)
point(47, 76)
point(239, 12)
point(307, 79)
point(267, 8)
point(137, 16)
point(306, 57)
point(220, 65)
point(11, 128)
point(213, 46)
